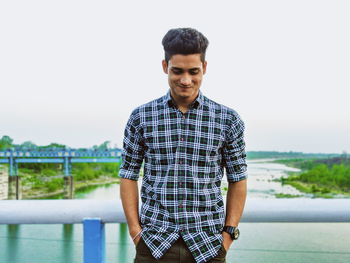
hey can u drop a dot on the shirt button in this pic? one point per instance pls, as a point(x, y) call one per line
point(180, 183)
point(183, 117)
point(181, 139)
point(180, 162)
point(180, 205)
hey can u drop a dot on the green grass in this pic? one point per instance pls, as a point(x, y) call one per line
point(314, 189)
point(281, 195)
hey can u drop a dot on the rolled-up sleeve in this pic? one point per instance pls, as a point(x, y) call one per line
point(234, 156)
point(133, 149)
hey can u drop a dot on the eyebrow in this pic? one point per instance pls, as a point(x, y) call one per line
point(196, 68)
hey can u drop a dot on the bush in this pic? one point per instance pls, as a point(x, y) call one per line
point(54, 184)
point(337, 176)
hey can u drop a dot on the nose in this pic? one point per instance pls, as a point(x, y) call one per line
point(185, 80)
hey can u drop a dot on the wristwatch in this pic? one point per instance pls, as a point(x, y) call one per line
point(233, 231)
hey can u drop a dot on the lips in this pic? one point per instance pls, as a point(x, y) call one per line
point(183, 87)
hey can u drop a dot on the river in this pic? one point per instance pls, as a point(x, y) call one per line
point(259, 242)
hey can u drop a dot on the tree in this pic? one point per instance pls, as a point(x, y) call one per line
point(344, 155)
point(54, 146)
point(6, 142)
point(104, 146)
point(28, 145)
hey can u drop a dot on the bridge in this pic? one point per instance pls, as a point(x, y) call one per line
point(65, 156)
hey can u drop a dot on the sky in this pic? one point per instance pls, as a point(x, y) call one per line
point(72, 71)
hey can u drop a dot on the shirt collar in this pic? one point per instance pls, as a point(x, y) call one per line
point(195, 104)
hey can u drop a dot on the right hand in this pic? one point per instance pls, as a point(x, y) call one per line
point(137, 240)
point(134, 232)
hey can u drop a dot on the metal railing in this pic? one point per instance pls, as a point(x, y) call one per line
point(94, 214)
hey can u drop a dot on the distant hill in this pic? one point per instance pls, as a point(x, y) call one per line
point(288, 155)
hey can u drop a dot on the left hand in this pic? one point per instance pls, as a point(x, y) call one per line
point(227, 240)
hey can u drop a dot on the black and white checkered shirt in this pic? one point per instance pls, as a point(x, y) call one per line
point(184, 159)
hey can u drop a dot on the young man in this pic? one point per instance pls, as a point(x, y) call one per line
point(186, 141)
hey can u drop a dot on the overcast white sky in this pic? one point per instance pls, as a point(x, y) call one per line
point(72, 71)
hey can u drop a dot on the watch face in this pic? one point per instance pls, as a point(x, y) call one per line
point(233, 231)
point(236, 234)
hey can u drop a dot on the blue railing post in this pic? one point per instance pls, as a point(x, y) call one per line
point(94, 241)
point(11, 169)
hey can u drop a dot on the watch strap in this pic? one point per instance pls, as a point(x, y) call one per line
point(233, 231)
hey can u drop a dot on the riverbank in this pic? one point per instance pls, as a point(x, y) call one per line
point(316, 190)
point(321, 178)
point(46, 180)
point(79, 185)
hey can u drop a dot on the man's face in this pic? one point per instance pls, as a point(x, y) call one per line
point(185, 74)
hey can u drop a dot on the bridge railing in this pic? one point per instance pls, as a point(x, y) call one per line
point(94, 214)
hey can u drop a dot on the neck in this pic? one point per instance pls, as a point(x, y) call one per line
point(183, 103)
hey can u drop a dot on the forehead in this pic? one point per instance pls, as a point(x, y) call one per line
point(186, 61)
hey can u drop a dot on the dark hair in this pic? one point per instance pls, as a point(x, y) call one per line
point(184, 41)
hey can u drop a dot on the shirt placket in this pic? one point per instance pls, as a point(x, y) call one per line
point(181, 163)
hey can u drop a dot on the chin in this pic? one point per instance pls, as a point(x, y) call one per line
point(184, 93)
point(188, 92)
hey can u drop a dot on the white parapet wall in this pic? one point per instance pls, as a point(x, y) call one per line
point(111, 211)
point(3, 183)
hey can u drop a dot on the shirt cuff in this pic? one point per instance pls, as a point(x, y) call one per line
point(125, 174)
point(236, 177)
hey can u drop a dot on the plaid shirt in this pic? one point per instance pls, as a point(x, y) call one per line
point(184, 159)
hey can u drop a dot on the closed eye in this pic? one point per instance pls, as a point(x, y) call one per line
point(194, 71)
point(177, 71)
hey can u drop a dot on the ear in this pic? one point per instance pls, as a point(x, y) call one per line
point(204, 67)
point(165, 66)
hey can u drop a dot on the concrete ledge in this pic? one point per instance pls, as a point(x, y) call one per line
point(110, 211)
point(297, 210)
point(59, 211)
point(3, 183)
